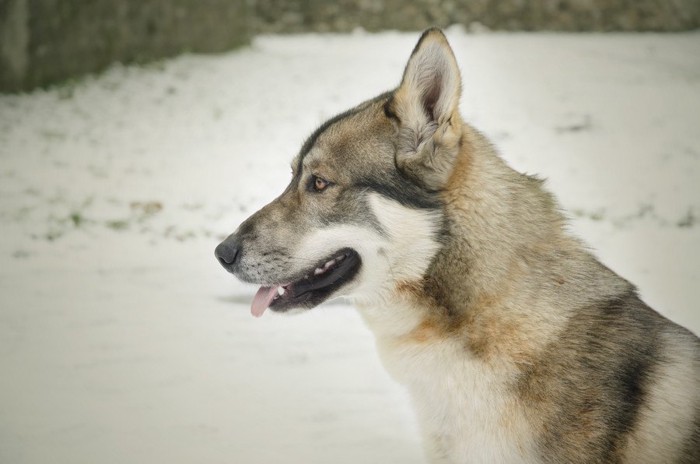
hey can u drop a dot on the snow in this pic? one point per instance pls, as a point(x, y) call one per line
point(123, 341)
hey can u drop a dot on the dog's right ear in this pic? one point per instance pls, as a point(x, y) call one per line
point(426, 106)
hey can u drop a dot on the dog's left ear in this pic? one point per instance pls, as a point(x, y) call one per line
point(426, 106)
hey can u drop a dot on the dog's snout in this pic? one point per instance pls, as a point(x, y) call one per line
point(227, 253)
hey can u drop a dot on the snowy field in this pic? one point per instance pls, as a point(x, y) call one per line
point(122, 340)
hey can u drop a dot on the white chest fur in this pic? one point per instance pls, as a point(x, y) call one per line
point(465, 410)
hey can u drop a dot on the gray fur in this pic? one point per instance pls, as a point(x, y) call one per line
point(569, 365)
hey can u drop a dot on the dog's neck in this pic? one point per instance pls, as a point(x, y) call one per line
point(489, 209)
point(493, 252)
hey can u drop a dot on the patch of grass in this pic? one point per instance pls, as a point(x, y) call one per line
point(592, 215)
point(145, 209)
point(53, 235)
point(117, 224)
point(688, 221)
point(21, 254)
point(77, 219)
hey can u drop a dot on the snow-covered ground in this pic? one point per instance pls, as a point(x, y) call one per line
point(123, 341)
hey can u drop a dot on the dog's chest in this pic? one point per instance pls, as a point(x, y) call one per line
point(464, 407)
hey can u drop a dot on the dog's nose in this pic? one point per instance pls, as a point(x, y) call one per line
point(227, 253)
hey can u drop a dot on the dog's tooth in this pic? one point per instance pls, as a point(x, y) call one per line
point(280, 290)
point(329, 264)
point(318, 271)
point(340, 258)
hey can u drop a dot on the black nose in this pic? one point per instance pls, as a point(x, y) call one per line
point(227, 253)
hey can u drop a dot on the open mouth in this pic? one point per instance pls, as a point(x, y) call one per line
point(318, 283)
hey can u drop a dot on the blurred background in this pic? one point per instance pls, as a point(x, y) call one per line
point(136, 134)
point(46, 41)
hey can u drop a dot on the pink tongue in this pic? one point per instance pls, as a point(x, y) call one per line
point(262, 300)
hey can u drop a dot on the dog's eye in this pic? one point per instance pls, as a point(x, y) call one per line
point(319, 184)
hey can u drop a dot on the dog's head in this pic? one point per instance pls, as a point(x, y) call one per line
point(363, 210)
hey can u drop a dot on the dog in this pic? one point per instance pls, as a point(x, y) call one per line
point(515, 343)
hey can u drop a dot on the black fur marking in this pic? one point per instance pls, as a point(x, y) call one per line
point(389, 110)
point(630, 377)
point(405, 193)
point(593, 381)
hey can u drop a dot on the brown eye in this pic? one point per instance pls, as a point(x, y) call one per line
point(320, 184)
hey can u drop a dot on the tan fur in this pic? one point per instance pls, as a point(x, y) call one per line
point(515, 343)
point(509, 293)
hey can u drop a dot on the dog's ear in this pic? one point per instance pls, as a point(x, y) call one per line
point(426, 106)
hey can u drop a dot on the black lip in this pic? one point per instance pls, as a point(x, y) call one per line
point(311, 290)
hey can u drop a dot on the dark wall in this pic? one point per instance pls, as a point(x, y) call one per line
point(45, 41)
point(509, 15)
